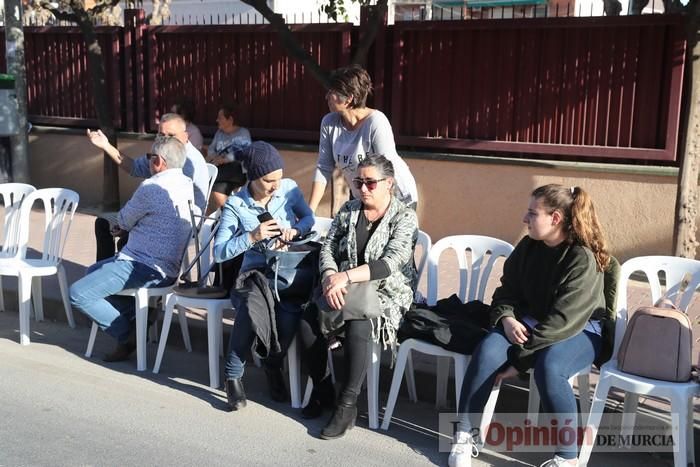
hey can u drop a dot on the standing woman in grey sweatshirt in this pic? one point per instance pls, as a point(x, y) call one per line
point(351, 131)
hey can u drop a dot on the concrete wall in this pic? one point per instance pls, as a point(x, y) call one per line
point(471, 195)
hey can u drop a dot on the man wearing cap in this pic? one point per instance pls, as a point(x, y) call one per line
point(195, 167)
point(157, 219)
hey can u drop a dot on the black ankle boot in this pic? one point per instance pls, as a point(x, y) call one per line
point(343, 419)
point(322, 397)
point(235, 394)
point(275, 384)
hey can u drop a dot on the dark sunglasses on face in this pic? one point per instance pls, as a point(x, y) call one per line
point(370, 183)
point(150, 156)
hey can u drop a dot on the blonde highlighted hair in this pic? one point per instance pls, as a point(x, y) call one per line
point(580, 220)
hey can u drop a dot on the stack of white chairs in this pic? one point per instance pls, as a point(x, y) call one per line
point(59, 206)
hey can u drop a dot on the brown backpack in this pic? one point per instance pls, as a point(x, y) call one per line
point(658, 343)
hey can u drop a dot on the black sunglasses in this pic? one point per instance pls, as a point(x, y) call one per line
point(151, 155)
point(370, 183)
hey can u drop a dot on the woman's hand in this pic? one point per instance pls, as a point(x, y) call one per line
point(334, 289)
point(265, 230)
point(289, 234)
point(516, 332)
point(509, 372)
point(216, 160)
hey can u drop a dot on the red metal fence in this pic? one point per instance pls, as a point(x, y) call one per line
point(574, 87)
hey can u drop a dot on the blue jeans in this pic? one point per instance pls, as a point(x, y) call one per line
point(554, 365)
point(94, 293)
point(287, 316)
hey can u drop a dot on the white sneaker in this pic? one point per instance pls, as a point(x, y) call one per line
point(463, 449)
point(560, 462)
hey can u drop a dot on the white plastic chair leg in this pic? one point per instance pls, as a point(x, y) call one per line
point(141, 328)
point(213, 336)
point(63, 286)
point(91, 340)
point(410, 378)
point(25, 293)
point(679, 431)
point(167, 320)
point(184, 329)
point(403, 356)
point(294, 374)
point(307, 391)
point(489, 409)
point(460, 370)
point(589, 435)
point(443, 372)
point(629, 413)
point(584, 396)
point(373, 385)
point(37, 299)
point(533, 401)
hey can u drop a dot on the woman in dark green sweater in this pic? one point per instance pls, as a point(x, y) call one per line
point(548, 315)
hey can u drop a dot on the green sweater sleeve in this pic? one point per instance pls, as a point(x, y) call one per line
point(576, 296)
point(507, 295)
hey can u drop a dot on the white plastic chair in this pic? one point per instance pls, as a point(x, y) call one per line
point(213, 171)
point(472, 286)
point(11, 196)
point(680, 395)
point(322, 225)
point(59, 208)
point(213, 306)
point(374, 357)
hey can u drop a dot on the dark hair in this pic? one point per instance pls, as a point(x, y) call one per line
point(229, 110)
point(184, 107)
point(379, 162)
point(580, 219)
point(352, 81)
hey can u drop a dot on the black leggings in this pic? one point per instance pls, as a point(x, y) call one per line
point(358, 334)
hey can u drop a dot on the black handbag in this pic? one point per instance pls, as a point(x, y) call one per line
point(292, 273)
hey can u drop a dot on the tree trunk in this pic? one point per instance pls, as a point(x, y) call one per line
point(14, 42)
point(110, 187)
point(685, 240)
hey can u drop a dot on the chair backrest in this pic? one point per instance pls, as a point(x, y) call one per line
point(213, 172)
point(473, 275)
point(674, 270)
point(12, 195)
point(425, 243)
point(59, 208)
point(322, 225)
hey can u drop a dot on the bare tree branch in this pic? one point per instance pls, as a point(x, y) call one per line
point(376, 17)
point(290, 43)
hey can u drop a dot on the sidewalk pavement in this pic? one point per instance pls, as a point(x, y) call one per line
point(60, 349)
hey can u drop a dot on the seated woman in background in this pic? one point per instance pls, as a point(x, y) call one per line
point(228, 139)
point(370, 239)
point(184, 107)
point(548, 314)
point(240, 229)
point(351, 131)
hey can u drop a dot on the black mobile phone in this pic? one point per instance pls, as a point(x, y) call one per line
point(266, 216)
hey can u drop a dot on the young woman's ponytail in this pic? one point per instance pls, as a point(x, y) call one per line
point(580, 219)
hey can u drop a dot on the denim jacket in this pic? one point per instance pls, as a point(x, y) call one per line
point(239, 217)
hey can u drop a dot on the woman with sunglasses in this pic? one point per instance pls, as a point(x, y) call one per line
point(549, 315)
point(371, 239)
point(242, 225)
point(351, 131)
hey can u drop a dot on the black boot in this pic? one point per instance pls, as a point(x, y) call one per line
point(343, 418)
point(123, 350)
point(275, 384)
point(235, 394)
point(322, 397)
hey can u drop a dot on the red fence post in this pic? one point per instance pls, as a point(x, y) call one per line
point(376, 59)
point(134, 27)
